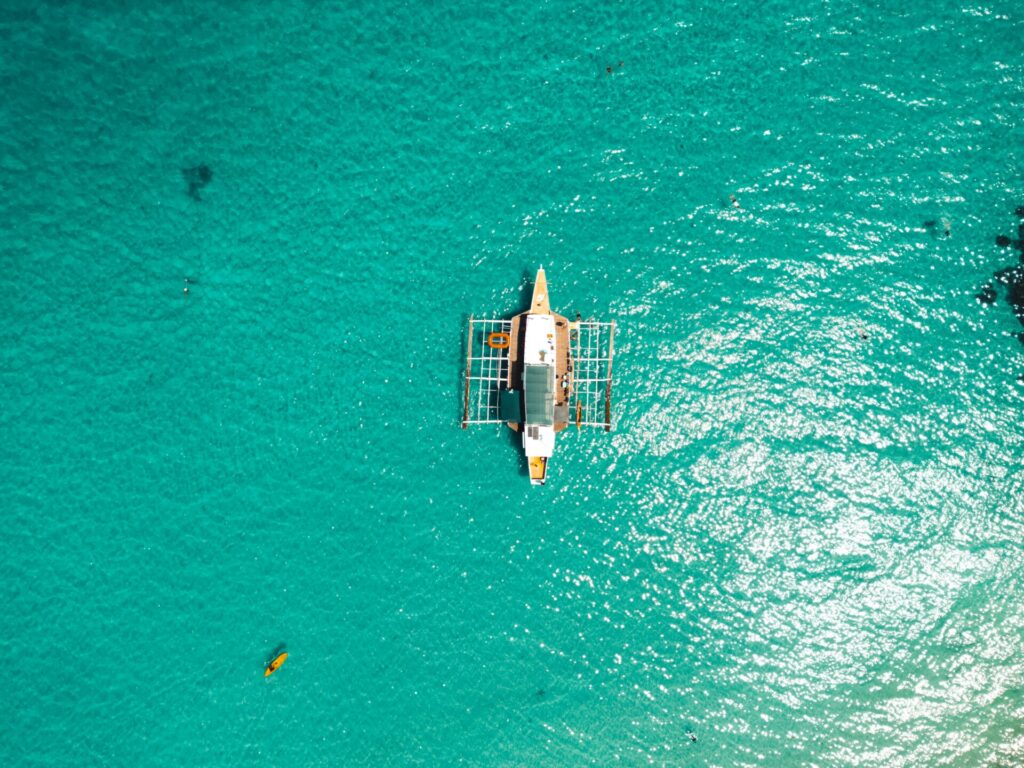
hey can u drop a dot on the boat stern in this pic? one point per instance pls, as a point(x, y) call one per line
point(538, 445)
point(538, 470)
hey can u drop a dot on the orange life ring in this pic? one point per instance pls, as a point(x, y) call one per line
point(498, 340)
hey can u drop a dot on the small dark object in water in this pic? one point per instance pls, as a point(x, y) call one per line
point(1015, 295)
point(1009, 275)
point(986, 296)
point(1012, 277)
point(197, 178)
point(540, 692)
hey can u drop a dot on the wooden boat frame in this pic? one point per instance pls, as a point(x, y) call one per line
point(584, 352)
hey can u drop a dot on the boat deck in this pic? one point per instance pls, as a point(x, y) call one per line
point(563, 363)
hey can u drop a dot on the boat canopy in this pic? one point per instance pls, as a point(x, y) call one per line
point(539, 394)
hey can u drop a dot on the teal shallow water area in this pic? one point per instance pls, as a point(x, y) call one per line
point(801, 543)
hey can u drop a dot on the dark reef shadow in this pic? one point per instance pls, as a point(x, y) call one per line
point(197, 177)
point(1012, 277)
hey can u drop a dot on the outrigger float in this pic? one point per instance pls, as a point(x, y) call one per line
point(538, 373)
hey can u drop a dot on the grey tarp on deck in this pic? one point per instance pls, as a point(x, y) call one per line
point(562, 412)
point(539, 394)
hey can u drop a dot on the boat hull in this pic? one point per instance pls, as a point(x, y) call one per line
point(275, 665)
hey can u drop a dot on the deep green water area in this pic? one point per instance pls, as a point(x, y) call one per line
point(801, 545)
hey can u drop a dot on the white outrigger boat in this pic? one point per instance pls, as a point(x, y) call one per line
point(539, 372)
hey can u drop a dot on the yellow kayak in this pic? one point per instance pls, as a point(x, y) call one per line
point(273, 666)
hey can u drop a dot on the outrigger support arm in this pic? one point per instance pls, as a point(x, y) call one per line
point(608, 386)
point(469, 372)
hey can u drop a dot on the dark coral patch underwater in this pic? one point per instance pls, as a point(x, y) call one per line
point(197, 177)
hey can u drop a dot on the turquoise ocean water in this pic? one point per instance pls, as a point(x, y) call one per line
point(800, 545)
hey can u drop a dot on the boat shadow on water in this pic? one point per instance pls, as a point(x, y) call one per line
point(514, 438)
point(281, 648)
point(515, 441)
